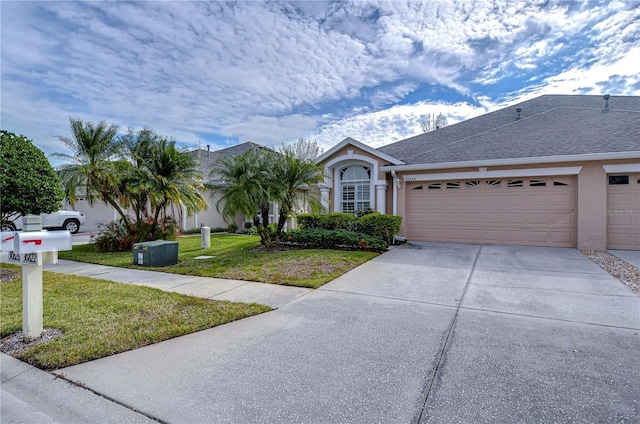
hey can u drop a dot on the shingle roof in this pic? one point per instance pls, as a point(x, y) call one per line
point(550, 125)
point(206, 159)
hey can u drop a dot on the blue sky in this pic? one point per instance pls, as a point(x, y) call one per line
point(221, 73)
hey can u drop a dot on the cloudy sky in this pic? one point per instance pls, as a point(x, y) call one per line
point(221, 73)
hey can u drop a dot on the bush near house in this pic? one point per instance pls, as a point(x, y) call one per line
point(345, 230)
point(120, 236)
point(329, 221)
point(379, 225)
point(329, 239)
point(373, 224)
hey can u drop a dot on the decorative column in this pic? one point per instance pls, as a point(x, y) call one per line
point(324, 197)
point(381, 197)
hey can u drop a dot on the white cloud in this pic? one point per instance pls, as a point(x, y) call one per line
point(271, 131)
point(383, 127)
point(272, 72)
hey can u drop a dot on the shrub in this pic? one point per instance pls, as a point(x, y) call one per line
point(251, 231)
point(232, 228)
point(361, 213)
point(331, 221)
point(118, 236)
point(193, 230)
point(331, 239)
point(369, 222)
point(247, 225)
point(380, 225)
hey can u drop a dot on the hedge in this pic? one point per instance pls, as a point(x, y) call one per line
point(331, 239)
point(379, 225)
point(374, 224)
point(330, 221)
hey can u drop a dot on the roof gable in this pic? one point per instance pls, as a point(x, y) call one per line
point(350, 141)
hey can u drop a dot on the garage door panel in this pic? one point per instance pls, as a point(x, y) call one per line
point(562, 219)
point(561, 237)
point(494, 212)
point(434, 217)
point(416, 216)
point(539, 218)
point(491, 217)
point(514, 236)
point(623, 214)
point(453, 217)
point(512, 218)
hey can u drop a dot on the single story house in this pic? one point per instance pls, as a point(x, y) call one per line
point(556, 170)
point(103, 213)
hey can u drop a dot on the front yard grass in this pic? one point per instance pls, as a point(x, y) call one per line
point(236, 257)
point(101, 318)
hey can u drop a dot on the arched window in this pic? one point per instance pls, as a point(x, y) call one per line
point(355, 188)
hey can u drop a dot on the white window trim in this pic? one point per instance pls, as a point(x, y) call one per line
point(482, 173)
point(332, 170)
point(624, 167)
point(338, 189)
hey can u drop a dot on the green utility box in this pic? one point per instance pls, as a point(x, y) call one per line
point(155, 253)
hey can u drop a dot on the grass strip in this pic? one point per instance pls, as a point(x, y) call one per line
point(101, 318)
point(236, 257)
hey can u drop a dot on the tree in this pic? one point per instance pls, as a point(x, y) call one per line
point(172, 179)
point(28, 183)
point(306, 150)
point(434, 122)
point(247, 185)
point(137, 148)
point(296, 174)
point(94, 170)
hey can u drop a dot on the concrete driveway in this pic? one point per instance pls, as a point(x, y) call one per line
point(423, 333)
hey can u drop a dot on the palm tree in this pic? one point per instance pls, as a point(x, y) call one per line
point(93, 169)
point(138, 149)
point(247, 185)
point(296, 176)
point(172, 179)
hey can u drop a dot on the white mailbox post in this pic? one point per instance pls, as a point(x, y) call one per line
point(31, 248)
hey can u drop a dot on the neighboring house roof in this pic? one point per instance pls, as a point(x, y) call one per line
point(206, 158)
point(549, 126)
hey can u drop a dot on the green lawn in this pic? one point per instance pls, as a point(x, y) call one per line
point(100, 318)
point(234, 258)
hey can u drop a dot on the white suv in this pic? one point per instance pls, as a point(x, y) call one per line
point(67, 220)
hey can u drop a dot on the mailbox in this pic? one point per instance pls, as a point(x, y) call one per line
point(41, 241)
point(155, 253)
point(7, 237)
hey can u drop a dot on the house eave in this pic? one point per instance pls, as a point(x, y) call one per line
point(359, 145)
point(515, 161)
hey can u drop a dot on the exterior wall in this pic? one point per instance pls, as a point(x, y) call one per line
point(210, 217)
point(592, 206)
point(99, 213)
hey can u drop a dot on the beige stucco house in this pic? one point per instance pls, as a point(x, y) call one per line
point(100, 213)
point(557, 170)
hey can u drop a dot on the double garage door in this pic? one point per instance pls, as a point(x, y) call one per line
point(526, 211)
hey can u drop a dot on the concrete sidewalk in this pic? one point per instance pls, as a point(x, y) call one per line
point(272, 295)
point(32, 396)
point(632, 257)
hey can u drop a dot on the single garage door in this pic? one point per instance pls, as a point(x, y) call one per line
point(623, 212)
point(526, 211)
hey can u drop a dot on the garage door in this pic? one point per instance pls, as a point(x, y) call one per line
point(623, 212)
point(525, 211)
